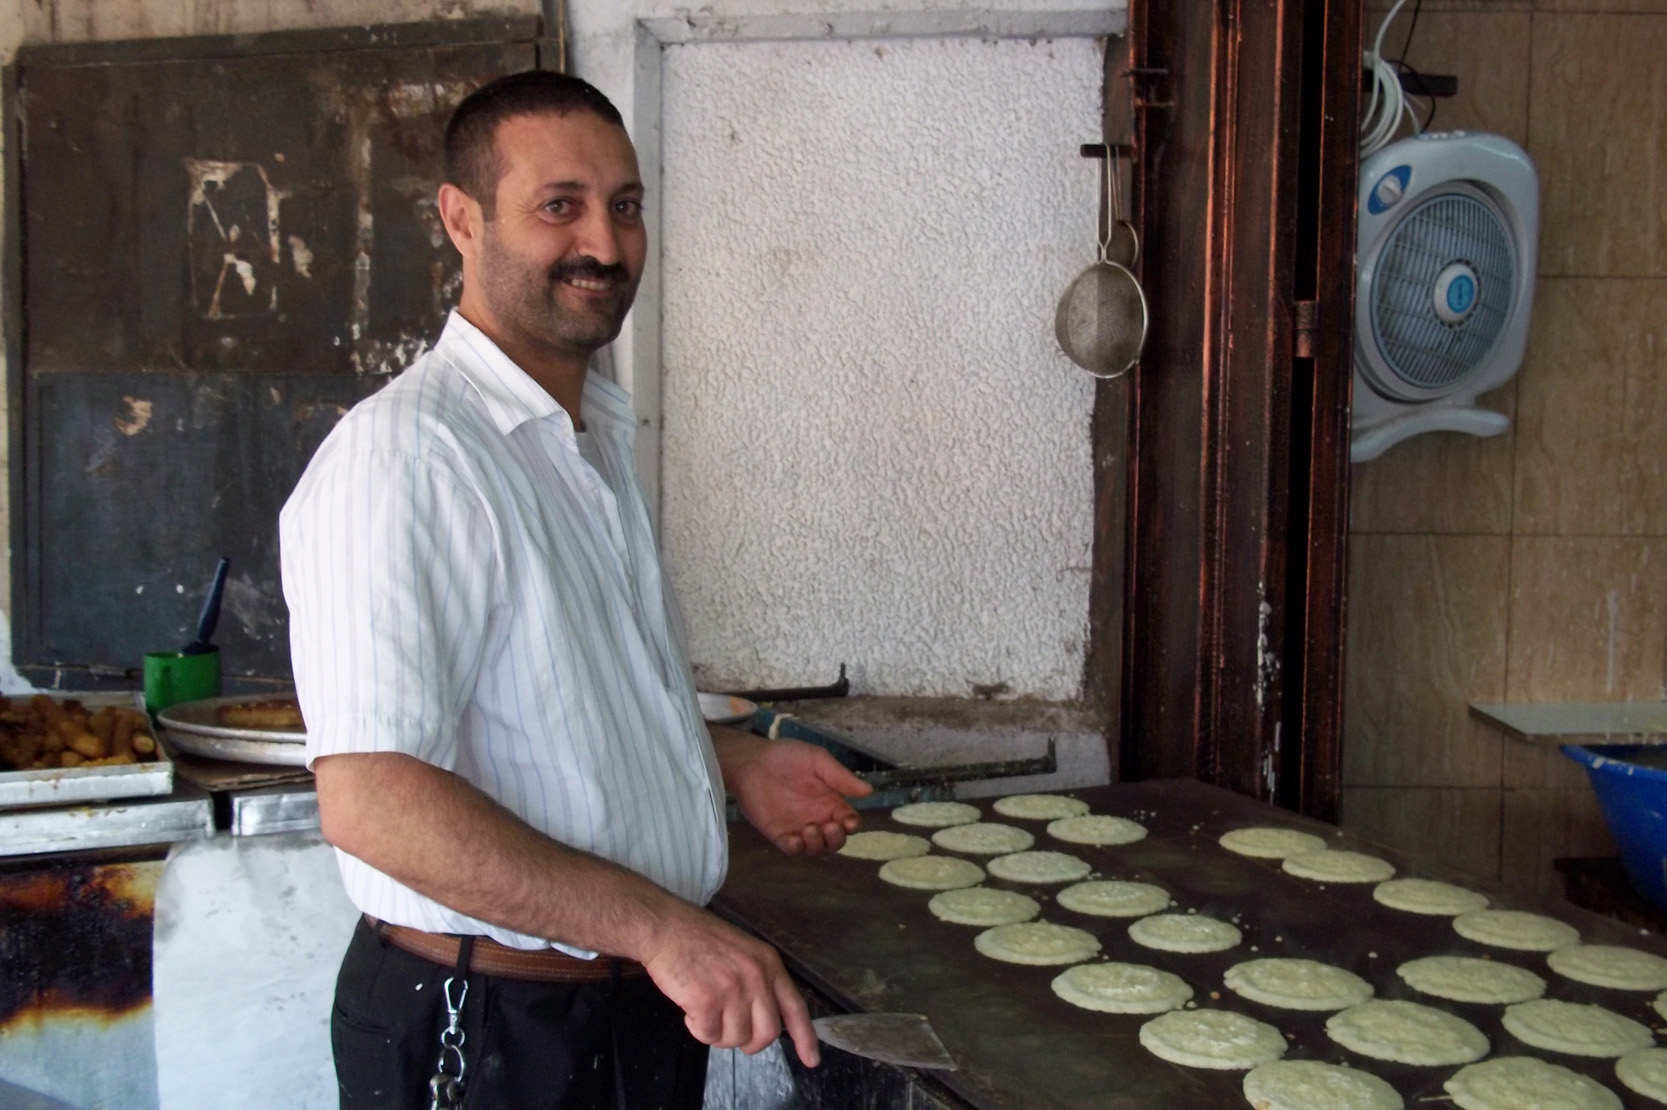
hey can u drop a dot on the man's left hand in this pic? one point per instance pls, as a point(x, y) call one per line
point(792, 792)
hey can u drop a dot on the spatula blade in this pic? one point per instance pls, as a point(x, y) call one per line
point(903, 1039)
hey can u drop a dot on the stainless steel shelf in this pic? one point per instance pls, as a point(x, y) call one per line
point(285, 808)
point(1557, 723)
point(186, 814)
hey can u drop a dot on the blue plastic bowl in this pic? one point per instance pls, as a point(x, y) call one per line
point(1631, 784)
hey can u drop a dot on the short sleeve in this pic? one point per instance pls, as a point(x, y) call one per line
point(388, 566)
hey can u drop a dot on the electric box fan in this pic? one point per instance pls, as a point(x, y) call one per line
point(1443, 285)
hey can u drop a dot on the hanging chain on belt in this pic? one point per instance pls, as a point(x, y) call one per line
point(446, 1088)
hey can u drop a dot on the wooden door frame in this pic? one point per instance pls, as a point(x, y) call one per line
point(1232, 630)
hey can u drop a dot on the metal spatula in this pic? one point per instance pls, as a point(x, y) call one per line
point(904, 1039)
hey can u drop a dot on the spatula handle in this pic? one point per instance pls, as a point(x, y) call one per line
point(210, 615)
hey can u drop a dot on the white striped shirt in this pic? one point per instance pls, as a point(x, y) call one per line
point(463, 587)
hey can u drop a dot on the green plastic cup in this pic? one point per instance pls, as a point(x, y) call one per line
point(172, 677)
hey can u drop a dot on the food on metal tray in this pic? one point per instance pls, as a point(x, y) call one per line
point(1206, 1038)
point(1097, 828)
point(41, 733)
point(1507, 1082)
point(1040, 807)
point(884, 845)
point(1119, 988)
point(1037, 942)
point(1331, 865)
point(1185, 932)
point(1580, 1030)
point(1307, 1084)
point(984, 838)
point(1469, 979)
point(1297, 984)
point(1427, 896)
point(1270, 842)
point(1518, 929)
point(266, 713)
point(1610, 965)
point(1408, 1033)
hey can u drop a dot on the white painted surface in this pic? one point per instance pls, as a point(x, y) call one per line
point(250, 933)
point(874, 452)
point(117, 1072)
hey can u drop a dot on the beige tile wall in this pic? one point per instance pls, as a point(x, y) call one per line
point(1531, 567)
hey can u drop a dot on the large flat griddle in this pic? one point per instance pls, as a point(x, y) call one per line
point(871, 946)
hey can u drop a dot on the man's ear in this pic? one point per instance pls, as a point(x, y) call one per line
point(462, 218)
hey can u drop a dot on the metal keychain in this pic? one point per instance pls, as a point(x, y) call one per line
point(446, 1089)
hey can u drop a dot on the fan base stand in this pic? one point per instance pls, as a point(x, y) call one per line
point(1369, 443)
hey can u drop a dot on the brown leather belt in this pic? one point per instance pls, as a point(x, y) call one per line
point(540, 965)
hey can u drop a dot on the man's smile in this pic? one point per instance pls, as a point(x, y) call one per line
point(590, 276)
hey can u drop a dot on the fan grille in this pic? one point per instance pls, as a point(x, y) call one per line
point(1417, 346)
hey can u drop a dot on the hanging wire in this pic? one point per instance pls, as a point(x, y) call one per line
point(1406, 48)
point(1388, 105)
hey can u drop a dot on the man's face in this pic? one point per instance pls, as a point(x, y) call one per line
point(560, 260)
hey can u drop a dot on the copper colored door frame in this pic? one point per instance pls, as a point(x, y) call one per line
point(1244, 125)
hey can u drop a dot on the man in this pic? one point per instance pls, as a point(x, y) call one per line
point(500, 714)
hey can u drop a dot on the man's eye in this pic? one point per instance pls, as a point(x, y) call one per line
point(630, 209)
point(561, 206)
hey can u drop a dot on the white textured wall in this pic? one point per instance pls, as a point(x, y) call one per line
point(873, 451)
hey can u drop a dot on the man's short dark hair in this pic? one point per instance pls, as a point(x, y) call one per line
point(473, 163)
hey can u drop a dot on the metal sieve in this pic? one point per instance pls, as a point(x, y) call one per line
point(1101, 320)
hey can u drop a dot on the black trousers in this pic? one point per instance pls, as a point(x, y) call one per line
point(528, 1046)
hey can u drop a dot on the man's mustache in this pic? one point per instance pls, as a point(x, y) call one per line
point(589, 269)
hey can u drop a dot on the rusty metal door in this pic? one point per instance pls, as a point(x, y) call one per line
point(218, 245)
point(1246, 119)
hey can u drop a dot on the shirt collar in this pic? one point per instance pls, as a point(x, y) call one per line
point(511, 396)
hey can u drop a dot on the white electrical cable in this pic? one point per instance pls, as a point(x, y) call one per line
point(1388, 104)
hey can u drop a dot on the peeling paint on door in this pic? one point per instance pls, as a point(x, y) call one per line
point(231, 223)
point(1267, 660)
point(137, 417)
point(300, 256)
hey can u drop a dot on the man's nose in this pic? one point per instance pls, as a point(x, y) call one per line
point(597, 237)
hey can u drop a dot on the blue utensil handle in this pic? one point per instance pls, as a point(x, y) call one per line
point(210, 616)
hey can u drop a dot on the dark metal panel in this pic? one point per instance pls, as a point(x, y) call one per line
point(871, 947)
point(221, 250)
point(147, 479)
point(214, 232)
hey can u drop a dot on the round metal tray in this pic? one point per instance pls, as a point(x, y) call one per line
point(201, 718)
point(281, 753)
point(193, 727)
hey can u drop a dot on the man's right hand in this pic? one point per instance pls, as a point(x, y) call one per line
point(435, 833)
point(733, 989)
